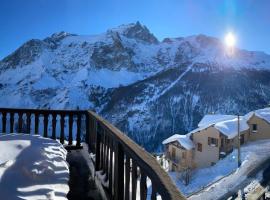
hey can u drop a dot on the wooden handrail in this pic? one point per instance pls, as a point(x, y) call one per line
point(147, 164)
point(126, 167)
point(29, 120)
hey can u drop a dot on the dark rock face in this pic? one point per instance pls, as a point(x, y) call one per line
point(140, 32)
point(113, 56)
point(24, 55)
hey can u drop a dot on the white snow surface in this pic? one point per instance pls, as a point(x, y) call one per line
point(32, 167)
point(230, 127)
point(261, 113)
point(214, 118)
point(217, 180)
point(183, 140)
point(227, 127)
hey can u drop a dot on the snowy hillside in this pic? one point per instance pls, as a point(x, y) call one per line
point(148, 88)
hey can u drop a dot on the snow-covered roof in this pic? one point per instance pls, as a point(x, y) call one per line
point(261, 113)
point(230, 127)
point(199, 129)
point(183, 140)
point(226, 127)
point(209, 119)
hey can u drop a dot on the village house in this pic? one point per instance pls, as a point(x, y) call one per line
point(215, 140)
point(179, 152)
point(215, 137)
point(259, 123)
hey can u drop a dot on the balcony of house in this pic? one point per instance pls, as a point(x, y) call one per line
point(103, 162)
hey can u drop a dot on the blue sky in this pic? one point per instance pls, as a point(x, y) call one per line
point(21, 20)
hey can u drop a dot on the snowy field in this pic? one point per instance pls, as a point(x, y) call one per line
point(32, 167)
point(252, 155)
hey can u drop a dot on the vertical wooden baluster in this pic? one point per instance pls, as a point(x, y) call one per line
point(62, 132)
point(87, 130)
point(54, 126)
point(98, 150)
point(28, 122)
point(154, 192)
point(127, 176)
point(93, 134)
point(36, 123)
point(119, 172)
point(11, 120)
point(78, 138)
point(104, 151)
point(4, 121)
point(134, 180)
point(143, 187)
point(107, 157)
point(20, 121)
point(70, 125)
point(111, 168)
point(101, 147)
point(45, 123)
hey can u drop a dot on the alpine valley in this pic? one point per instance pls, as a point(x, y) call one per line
point(149, 89)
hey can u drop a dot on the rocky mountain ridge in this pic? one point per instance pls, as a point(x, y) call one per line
point(150, 89)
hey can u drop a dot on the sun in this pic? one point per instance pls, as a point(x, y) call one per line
point(230, 39)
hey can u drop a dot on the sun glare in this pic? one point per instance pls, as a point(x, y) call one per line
point(230, 39)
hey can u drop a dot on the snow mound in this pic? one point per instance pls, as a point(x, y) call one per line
point(32, 167)
point(184, 140)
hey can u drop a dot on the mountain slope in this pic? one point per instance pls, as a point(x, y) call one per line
point(149, 89)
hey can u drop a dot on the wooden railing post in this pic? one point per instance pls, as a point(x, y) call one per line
point(4, 121)
point(98, 150)
point(78, 138)
point(20, 121)
point(28, 122)
point(36, 123)
point(143, 187)
point(45, 124)
point(119, 172)
point(62, 127)
point(54, 126)
point(11, 120)
point(70, 126)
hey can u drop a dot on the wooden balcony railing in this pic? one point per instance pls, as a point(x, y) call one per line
point(126, 168)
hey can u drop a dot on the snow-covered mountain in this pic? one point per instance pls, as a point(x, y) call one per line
point(148, 88)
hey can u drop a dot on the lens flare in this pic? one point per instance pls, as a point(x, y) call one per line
point(230, 39)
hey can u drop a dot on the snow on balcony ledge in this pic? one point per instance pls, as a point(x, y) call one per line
point(32, 167)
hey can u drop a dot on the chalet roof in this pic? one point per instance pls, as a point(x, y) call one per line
point(210, 119)
point(261, 113)
point(183, 140)
point(228, 128)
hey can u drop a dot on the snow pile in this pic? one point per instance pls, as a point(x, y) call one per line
point(207, 120)
point(230, 127)
point(261, 113)
point(252, 156)
point(32, 167)
point(183, 140)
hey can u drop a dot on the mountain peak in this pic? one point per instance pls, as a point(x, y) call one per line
point(136, 31)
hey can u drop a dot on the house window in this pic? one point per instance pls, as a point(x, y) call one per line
point(212, 141)
point(254, 128)
point(199, 147)
point(184, 155)
point(173, 153)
